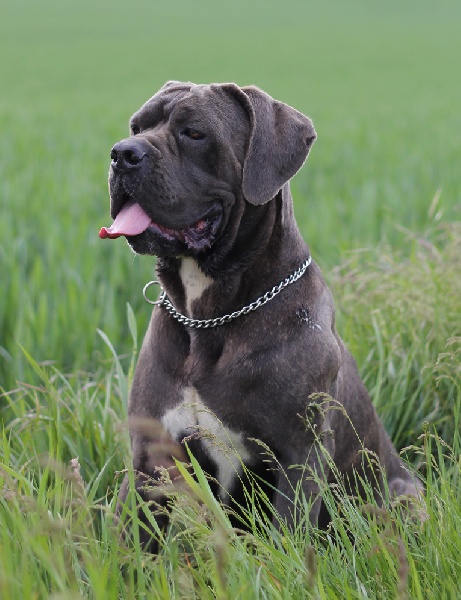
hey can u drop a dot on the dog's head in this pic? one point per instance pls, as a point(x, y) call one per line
point(195, 151)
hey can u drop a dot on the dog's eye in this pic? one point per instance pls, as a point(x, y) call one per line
point(193, 134)
point(135, 130)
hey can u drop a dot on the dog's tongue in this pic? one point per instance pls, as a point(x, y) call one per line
point(131, 220)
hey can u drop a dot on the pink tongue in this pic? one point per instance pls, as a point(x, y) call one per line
point(131, 220)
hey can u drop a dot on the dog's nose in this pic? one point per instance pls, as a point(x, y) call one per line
point(126, 155)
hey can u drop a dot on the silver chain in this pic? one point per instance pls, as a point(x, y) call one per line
point(207, 323)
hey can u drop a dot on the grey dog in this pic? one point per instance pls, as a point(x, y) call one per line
point(241, 357)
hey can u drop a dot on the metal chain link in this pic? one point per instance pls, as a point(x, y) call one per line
point(208, 323)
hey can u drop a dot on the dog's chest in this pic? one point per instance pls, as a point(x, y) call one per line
point(223, 446)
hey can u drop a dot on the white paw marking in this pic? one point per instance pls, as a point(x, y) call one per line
point(224, 447)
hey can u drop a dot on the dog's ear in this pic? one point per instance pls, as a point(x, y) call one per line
point(280, 140)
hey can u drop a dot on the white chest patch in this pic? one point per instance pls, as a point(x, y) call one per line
point(194, 280)
point(223, 446)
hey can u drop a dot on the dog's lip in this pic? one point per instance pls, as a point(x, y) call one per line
point(132, 220)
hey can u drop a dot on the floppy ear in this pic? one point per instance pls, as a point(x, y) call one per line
point(280, 140)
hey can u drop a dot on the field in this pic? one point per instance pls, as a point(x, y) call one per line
point(379, 204)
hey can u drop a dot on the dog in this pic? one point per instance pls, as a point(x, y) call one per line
point(241, 358)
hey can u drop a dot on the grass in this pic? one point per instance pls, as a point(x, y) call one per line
point(408, 346)
point(59, 532)
point(378, 203)
point(379, 82)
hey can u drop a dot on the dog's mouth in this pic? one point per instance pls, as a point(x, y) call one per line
point(132, 220)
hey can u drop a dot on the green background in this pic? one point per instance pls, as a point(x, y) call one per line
point(379, 79)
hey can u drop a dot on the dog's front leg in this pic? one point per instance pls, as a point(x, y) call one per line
point(301, 473)
point(155, 474)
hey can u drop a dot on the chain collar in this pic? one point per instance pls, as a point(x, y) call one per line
point(217, 322)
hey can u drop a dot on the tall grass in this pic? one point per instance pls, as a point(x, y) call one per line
point(409, 346)
point(64, 446)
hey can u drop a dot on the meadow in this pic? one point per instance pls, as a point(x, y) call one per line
point(379, 204)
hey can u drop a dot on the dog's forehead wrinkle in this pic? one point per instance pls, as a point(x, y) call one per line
point(227, 115)
point(150, 112)
point(187, 116)
point(159, 107)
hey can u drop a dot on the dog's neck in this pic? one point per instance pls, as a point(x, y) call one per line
point(194, 282)
point(266, 250)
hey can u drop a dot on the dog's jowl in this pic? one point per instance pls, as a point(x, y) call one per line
point(241, 359)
